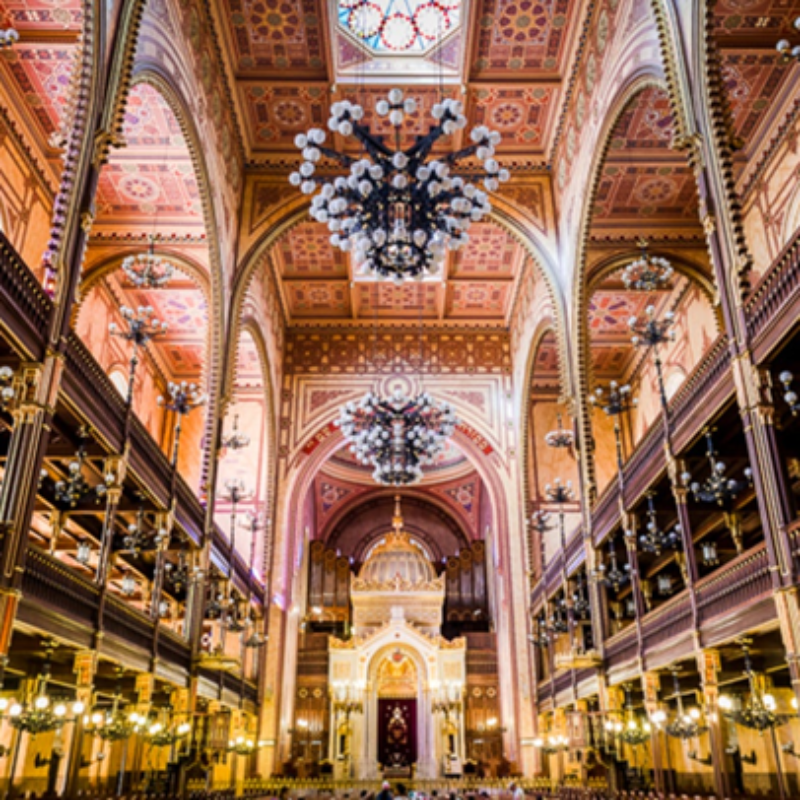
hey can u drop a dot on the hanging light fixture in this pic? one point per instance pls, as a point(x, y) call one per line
point(664, 584)
point(789, 395)
point(397, 211)
point(397, 436)
point(540, 636)
point(114, 724)
point(654, 540)
point(561, 437)
point(84, 552)
point(653, 333)
point(8, 391)
point(8, 37)
point(40, 713)
point(631, 730)
point(70, 491)
point(610, 575)
point(580, 602)
point(709, 553)
point(615, 401)
point(129, 585)
point(142, 327)
point(182, 398)
point(785, 48)
point(552, 744)
point(147, 270)
point(237, 440)
point(139, 537)
point(759, 713)
point(717, 488)
point(686, 725)
point(648, 273)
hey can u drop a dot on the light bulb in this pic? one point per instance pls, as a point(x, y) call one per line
point(60, 710)
point(41, 702)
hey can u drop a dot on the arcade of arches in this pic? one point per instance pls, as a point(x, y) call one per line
point(595, 587)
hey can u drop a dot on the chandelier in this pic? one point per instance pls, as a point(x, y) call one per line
point(40, 713)
point(760, 711)
point(615, 401)
point(242, 746)
point(114, 724)
point(610, 575)
point(789, 395)
point(138, 538)
point(397, 211)
point(8, 391)
point(648, 273)
point(147, 270)
point(8, 37)
point(561, 437)
point(397, 436)
point(686, 725)
point(654, 540)
point(717, 488)
point(784, 47)
point(75, 487)
point(653, 333)
point(162, 729)
point(552, 744)
point(141, 327)
point(540, 636)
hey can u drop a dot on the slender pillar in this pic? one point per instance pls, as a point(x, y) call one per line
point(85, 669)
point(651, 683)
point(708, 665)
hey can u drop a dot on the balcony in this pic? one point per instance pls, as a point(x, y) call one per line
point(26, 308)
point(773, 307)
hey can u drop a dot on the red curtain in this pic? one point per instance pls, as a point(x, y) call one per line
point(397, 732)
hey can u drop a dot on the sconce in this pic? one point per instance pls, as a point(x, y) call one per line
point(788, 748)
point(706, 761)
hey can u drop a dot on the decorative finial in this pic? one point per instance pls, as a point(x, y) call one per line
point(397, 520)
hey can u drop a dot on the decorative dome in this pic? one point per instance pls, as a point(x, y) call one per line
point(397, 559)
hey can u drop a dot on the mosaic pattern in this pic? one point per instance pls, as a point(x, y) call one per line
point(609, 311)
point(41, 15)
point(277, 113)
point(666, 194)
point(152, 178)
point(522, 36)
point(646, 124)
point(752, 81)
point(277, 36)
point(43, 76)
point(386, 299)
point(306, 251)
point(318, 298)
point(737, 17)
point(524, 116)
point(482, 299)
point(149, 121)
point(490, 251)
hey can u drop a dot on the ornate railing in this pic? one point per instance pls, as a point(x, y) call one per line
point(128, 624)
point(88, 386)
point(775, 294)
point(622, 648)
point(26, 309)
point(646, 463)
point(742, 582)
point(50, 583)
point(669, 621)
point(793, 534)
point(149, 461)
point(605, 512)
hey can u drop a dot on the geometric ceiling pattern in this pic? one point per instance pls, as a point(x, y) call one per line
point(38, 69)
point(318, 285)
point(761, 90)
point(149, 185)
point(645, 181)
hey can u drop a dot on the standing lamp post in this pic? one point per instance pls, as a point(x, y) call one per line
point(653, 334)
point(615, 401)
point(182, 398)
point(561, 493)
point(141, 327)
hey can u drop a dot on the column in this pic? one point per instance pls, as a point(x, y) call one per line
point(35, 385)
point(85, 668)
point(114, 468)
point(787, 602)
point(708, 665)
point(651, 683)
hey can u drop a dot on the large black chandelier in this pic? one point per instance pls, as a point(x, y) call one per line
point(685, 725)
point(654, 540)
point(397, 211)
point(760, 712)
point(398, 435)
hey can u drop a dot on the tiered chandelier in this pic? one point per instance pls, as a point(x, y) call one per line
point(147, 270)
point(647, 273)
point(397, 436)
point(396, 211)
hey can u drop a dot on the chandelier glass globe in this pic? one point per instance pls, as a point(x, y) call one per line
point(397, 436)
point(397, 211)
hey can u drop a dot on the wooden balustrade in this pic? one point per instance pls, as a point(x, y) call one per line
point(605, 513)
point(793, 533)
point(26, 307)
point(771, 309)
point(622, 648)
point(739, 584)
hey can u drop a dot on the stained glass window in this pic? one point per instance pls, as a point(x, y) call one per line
point(400, 26)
